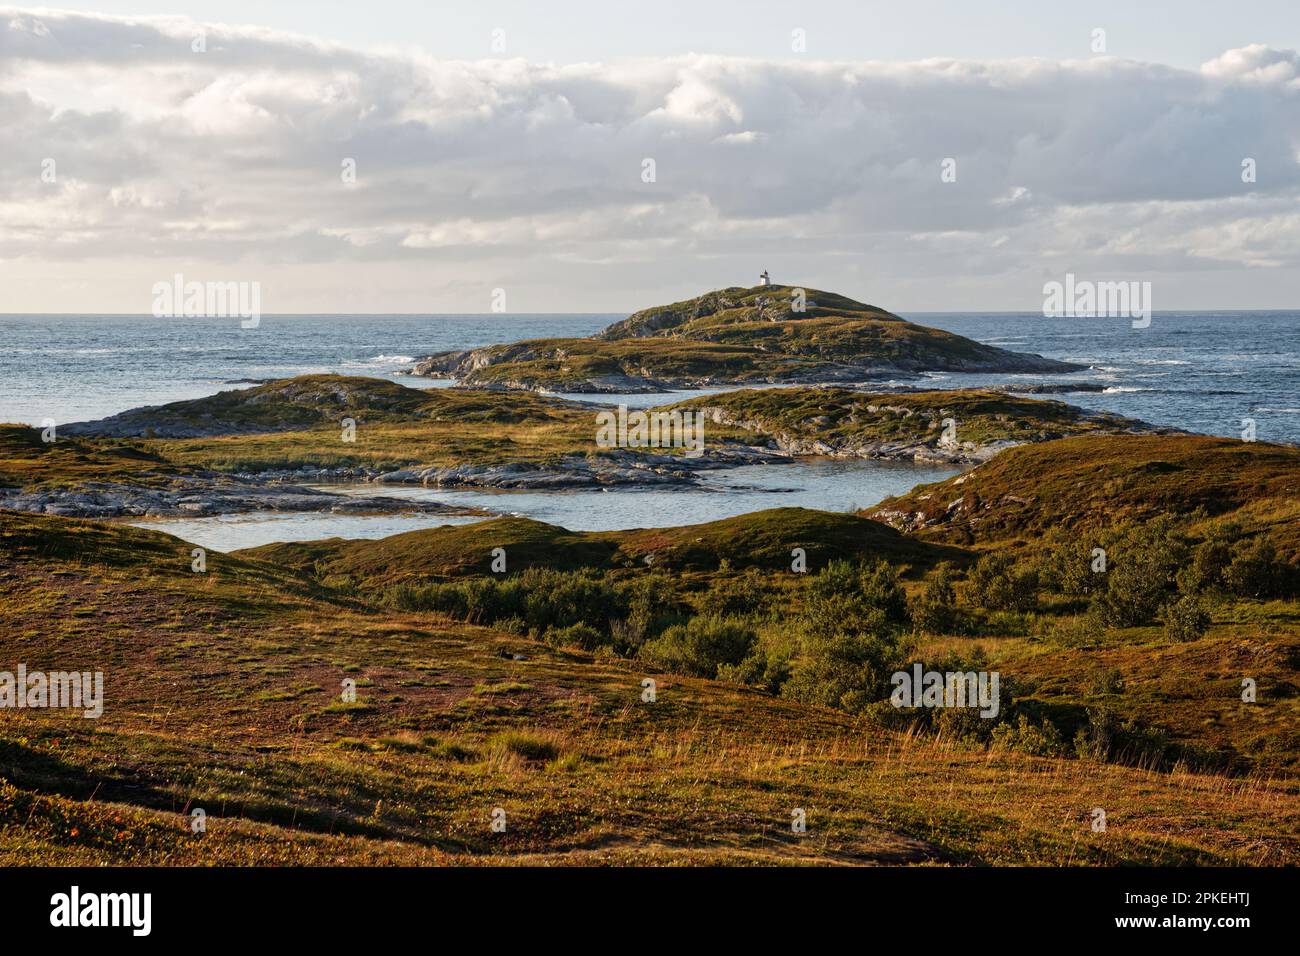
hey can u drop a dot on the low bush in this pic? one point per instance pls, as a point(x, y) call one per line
point(997, 585)
point(701, 645)
point(1186, 619)
point(848, 671)
point(935, 611)
point(580, 635)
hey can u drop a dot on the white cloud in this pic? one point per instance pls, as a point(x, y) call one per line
point(467, 172)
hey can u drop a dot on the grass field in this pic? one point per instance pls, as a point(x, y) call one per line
point(223, 693)
point(352, 702)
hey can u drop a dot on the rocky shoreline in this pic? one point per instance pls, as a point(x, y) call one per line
point(204, 497)
point(613, 468)
point(287, 490)
point(290, 490)
point(466, 367)
point(616, 468)
point(929, 452)
point(780, 425)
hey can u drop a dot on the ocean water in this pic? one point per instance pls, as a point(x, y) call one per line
point(1201, 371)
point(80, 367)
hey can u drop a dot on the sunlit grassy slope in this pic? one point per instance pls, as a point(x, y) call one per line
point(761, 539)
point(1092, 480)
point(223, 693)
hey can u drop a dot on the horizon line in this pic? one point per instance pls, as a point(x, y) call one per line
point(290, 315)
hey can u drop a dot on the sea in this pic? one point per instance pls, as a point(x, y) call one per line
point(1209, 372)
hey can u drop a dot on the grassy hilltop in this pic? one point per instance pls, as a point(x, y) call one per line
point(732, 336)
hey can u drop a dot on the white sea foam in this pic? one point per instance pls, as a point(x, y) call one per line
point(380, 361)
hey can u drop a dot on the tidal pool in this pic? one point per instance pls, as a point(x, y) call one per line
point(824, 484)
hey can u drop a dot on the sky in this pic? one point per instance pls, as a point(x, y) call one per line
point(577, 157)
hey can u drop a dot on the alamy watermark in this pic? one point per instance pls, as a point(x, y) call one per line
point(651, 429)
point(178, 298)
point(78, 690)
point(922, 688)
point(75, 908)
point(1083, 298)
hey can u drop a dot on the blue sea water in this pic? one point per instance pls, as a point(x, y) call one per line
point(1203, 371)
point(1200, 371)
point(81, 367)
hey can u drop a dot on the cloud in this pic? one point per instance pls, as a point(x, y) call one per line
point(231, 159)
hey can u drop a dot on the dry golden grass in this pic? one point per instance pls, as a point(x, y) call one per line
point(222, 693)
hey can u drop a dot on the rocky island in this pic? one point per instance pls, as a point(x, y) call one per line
point(771, 334)
point(953, 426)
point(261, 448)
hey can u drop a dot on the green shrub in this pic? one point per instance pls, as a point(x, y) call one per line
point(963, 724)
point(849, 671)
point(486, 600)
point(839, 614)
point(1067, 565)
point(512, 625)
point(838, 577)
point(996, 585)
point(764, 668)
point(936, 609)
point(651, 607)
point(1142, 569)
point(1023, 736)
point(1209, 561)
point(553, 598)
point(1186, 619)
point(850, 599)
point(746, 593)
point(626, 635)
point(1083, 630)
point(1096, 739)
point(1108, 738)
point(540, 598)
point(701, 645)
point(1256, 572)
point(880, 589)
point(580, 635)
